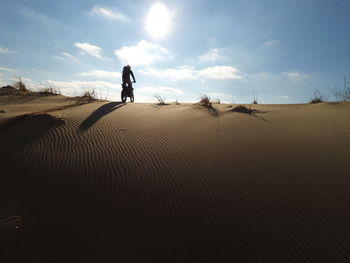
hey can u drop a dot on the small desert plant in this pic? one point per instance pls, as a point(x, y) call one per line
point(102, 96)
point(89, 94)
point(318, 97)
point(216, 101)
point(205, 101)
point(344, 93)
point(243, 109)
point(255, 99)
point(107, 94)
point(86, 97)
point(50, 90)
point(161, 101)
point(20, 85)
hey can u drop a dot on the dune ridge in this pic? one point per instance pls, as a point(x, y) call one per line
point(135, 182)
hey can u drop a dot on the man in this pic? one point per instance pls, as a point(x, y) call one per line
point(126, 77)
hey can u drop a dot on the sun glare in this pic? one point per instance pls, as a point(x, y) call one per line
point(158, 20)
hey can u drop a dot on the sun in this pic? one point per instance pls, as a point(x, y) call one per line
point(158, 20)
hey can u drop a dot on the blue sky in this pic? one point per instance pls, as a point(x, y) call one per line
point(281, 51)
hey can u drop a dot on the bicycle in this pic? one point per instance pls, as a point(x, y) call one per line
point(127, 92)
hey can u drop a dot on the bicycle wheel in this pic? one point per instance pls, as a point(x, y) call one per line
point(123, 96)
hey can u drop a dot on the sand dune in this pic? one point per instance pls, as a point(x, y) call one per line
point(109, 181)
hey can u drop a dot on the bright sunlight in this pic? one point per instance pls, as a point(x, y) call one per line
point(158, 20)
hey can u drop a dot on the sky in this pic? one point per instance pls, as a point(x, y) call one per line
point(232, 50)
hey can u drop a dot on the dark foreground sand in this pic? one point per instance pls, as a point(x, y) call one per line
point(113, 182)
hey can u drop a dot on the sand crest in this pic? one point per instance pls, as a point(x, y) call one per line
point(109, 181)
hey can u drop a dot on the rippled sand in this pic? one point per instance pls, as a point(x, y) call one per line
point(114, 182)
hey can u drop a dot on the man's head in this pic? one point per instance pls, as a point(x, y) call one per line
point(128, 67)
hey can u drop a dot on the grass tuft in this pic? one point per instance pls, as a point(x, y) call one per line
point(19, 85)
point(343, 94)
point(318, 97)
point(216, 101)
point(50, 91)
point(205, 101)
point(87, 96)
point(161, 101)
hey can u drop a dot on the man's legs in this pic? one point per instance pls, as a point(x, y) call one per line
point(129, 84)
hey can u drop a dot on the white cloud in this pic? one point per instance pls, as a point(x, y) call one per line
point(180, 73)
point(101, 74)
point(5, 51)
point(161, 90)
point(270, 43)
point(25, 80)
point(77, 84)
point(261, 76)
point(109, 13)
point(8, 69)
point(221, 72)
point(295, 75)
point(30, 81)
point(66, 56)
point(283, 97)
point(89, 49)
point(212, 55)
point(144, 53)
point(273, 99)
point(185, 73)
point(103, 89)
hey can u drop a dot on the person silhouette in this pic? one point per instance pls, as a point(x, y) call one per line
point(126, 77)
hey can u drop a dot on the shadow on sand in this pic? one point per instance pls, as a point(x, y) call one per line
point(98, 114)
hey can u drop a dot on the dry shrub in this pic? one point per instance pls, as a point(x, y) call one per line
point(343, 94)
point(243, 109)
point(316, 100)
point(318, 97)
point(255, 98)
point(89, 95)
point(19, 85)
point(205, 101)
point(86, 97)
point(161, 101)
point(51, 90)
point(216, 101)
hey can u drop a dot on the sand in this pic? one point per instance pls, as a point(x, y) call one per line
point(115, 182)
